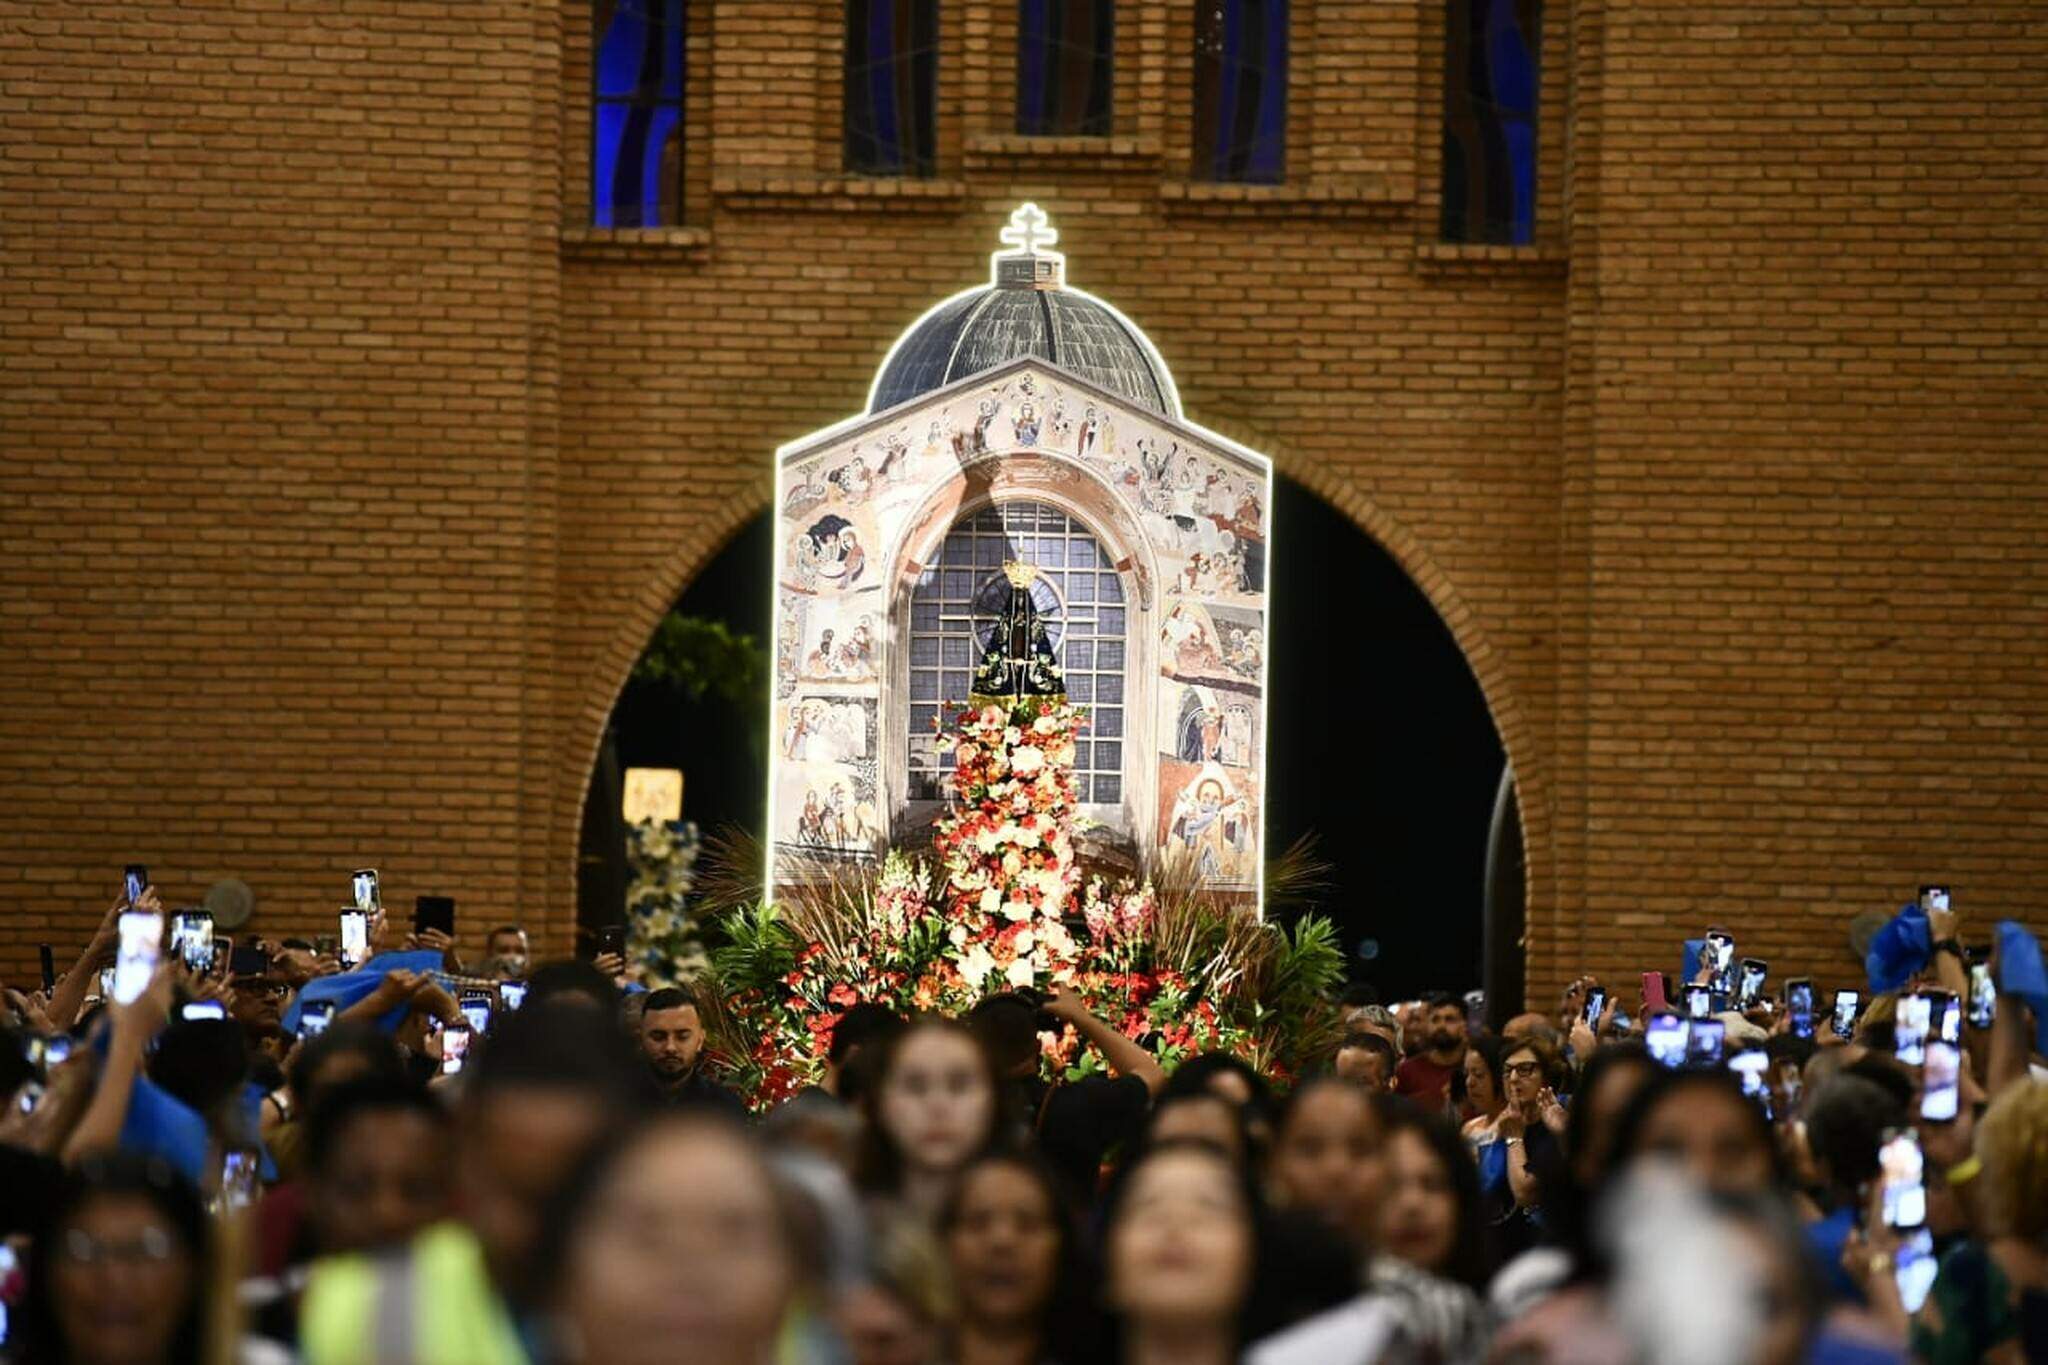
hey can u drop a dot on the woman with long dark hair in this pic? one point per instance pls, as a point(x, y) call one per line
point(931, 1108)
point(1016, 1277)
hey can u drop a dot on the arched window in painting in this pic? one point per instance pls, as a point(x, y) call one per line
point(1491, 70)
point(1066, 66)
point(1240, 90)
point(1079, 599)
point(636, 116)
point(892, 79)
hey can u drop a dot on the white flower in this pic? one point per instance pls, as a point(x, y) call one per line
point(1021, 973)
point(958, 933)
point(1022, 943)
point(1012, 735)
point(1045, 725)
point(1028, 759)
point(991, 901)
point(1017, 911)
point(985, 840)
point(976, 964)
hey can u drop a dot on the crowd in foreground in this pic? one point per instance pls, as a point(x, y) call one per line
point(261, 1156)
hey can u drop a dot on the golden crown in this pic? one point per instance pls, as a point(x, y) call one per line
point(1020, 574)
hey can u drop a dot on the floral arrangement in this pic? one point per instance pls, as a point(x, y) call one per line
point(1004, 905)
point(664, 940)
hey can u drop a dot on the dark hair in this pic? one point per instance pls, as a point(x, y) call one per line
point(1628, 1129)
point(1491, 1051)
point(669, 998)
point(1470, 1261)
point(15, 1072)
point(553, 1045)
point(1007, 1024)
point(364, 1040)
point(1383, 1105)
point(349, 1101)
point(1780, 1048)
point(571, 977)
point(1247, 1140)
point(1067, 1326)
point(878, 1166)
point(1547, 1056)
point(1193, 1076)
point(1371, 1042)
point(117, 1175)
point(863, 1024)
point(1845, 1121)
point(504, 929)
point(201, 1062)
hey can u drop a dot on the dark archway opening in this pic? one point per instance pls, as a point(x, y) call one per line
point(1380, 744)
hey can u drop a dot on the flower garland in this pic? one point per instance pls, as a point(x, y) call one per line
point(664, 940)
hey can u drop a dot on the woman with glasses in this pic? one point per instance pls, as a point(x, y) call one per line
point(118, 1270)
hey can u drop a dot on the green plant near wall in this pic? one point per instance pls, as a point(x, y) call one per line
point(703, 658)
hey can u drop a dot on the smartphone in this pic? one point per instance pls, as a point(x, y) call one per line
point(31, 1096)
point(56, 1052)
point(141, 938)
point(454, 1048)
point(1749, 986)
point(1699, 1002)
point(1933, 897)
point(1983, 991)
point(434, 912)
point(1901, 1168)
point(203, 1009)
point(1799, 1004)
point(1752, 1067)
point(355, 939)
point(1656, 993)
point(135, 881)
point(192, 939)
point(367, 895)
point(1940, 1082)
point(314, 1017)
point(611, 939)
point(238, 1175)
point(1910, 1028)
point(248, 959)
point(1914, 1269)
point(513, 993)
point(1665, 1036)
point(1704, 1043)
point(476, 1007)
point(50, 967)
point(1720, 957)
point(1848, 1004)
point(1596, 1001)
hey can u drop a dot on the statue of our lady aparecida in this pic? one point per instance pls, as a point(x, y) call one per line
point(1018, 663)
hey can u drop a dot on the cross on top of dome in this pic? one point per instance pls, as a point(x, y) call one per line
point(1029, 266)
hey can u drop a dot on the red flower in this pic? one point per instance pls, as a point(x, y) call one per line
point(844, 995)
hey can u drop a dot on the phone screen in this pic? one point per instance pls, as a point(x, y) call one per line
point(513, 993)
point(1910, 1027)
point(135, 880)
point(366, 892)
point(355, 938)
point(1754, 971)
point(1799, 1004)
point(477, 1010)
point(142, 936)
point(454, 1048)
point(1983, 996)
point(1901, 1168)
point(1934, 898)
point(1948, 1017)
point(204, 1009)
point(1665, 1035)
point(1699, 1002)
point(238, 1174)
point(1915, 1268)
point(192, 940)
point(1596, 1001)
point(1720, 956)
point(314, 1017)
point(1845, 1013)
point(1752, 1067)
point(1940, 1082)
point(1703, 1044)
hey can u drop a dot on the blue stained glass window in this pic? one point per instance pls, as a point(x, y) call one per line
point(1240, 90)
point(636, 153)
point(892, 81)
point(1066, 62)
point(1491, 79)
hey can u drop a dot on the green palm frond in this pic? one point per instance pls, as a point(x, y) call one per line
point(759, 950)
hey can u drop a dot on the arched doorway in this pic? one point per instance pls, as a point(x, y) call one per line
point(1380, 743)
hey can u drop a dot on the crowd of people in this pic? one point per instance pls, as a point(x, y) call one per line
point(280, 1159)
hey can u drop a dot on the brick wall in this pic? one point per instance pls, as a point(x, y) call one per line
point(346, 472)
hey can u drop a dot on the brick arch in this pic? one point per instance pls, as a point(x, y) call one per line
point(606, 678)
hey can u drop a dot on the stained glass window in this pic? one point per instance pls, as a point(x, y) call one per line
point(1079, 598)
point(892, 76)
point(1065, 66)
point(1490, 83)
point(636, 154)
point(1240, 90)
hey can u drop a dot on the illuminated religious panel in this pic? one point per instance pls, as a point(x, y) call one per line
point(1140, 538)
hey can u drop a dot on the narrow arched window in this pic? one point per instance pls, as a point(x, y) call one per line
point(1079, 598)
point(636, 124)
point(1489, 148)
point(891, 89)
point(1240, 90)
point(1066, 65)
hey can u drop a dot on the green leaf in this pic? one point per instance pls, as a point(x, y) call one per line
point(759, 949)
